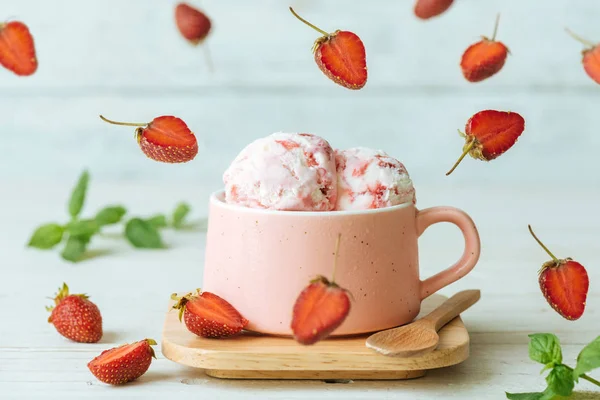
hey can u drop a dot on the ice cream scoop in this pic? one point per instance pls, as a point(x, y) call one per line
point(284, 171)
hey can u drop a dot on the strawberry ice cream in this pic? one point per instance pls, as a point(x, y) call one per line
point(371, 179)
point(284, 171)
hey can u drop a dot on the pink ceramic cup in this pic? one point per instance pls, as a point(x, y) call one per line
point(260, 260)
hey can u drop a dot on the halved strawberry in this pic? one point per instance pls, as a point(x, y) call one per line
point(489, 134)
point(166, 139)
point(564, 284)
point(426, 9)
point(591, 57)
point(17, 50)
point(193, 24)
point(320, 308)
point(341, 56)
point(484, 58)
point(123, 364)
point(208, 315)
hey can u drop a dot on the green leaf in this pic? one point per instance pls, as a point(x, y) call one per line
point(589, 358)
point(545, 395)
point(560, 380)
point(545, 348)
point(78, 195)
point(181, 211)
point(75, 248)
point(46, 236)
point(110, 215)
point(85, 227)
point(142, 234)
point(158, 221)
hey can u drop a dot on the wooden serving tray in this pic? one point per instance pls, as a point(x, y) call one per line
point(256, 356)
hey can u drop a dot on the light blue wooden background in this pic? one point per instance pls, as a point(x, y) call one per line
point(125, 59)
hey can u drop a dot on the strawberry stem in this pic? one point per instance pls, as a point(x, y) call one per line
point(579, 38)
point(335, 260)
point(542, 244)
point(496, 27)
point(121, 123)
point(207, 57)
point(308, 23)
point(463, 155)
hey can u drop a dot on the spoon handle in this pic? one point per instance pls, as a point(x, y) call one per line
point(452, 307)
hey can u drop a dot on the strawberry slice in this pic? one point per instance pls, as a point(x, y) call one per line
point(489, 134)
point(591, 57)
point(123, 364)
point(17, 50)
point(484, 58)
point(320, 308)
point(193, 24)
point(426, 9)
point(166, 139)
point(341, 56)
point(208, 315)
point(564, 284)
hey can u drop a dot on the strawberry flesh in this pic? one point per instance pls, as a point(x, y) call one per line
point(591, 63)
point(319, 310)
point(483, 59)
point(495, 131)
point(123, 364)
point(17, 49)
point(168, 139)
point(565, 286)
point(210, 316)
point(193, 24)
point(342, 58)
point(426, 9)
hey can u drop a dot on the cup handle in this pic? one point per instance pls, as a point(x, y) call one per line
point(433, 215)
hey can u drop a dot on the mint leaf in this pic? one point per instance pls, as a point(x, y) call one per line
point(528, 396)
point(158, 221)
point(78, 195)
point(560, 380)
point(142, 234)
point(46, 236)
point(181, 211)
point(589, 358)
point(545, 348)
point(110, 215)
point(75, 248)
point(85, 227)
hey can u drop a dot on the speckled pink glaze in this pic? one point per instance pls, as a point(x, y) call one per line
point(260, 260)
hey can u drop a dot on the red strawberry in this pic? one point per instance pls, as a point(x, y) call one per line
point(193, 24)
point(208, 315)
point(484, 59)
point(489, 134)
point(426, 9)
point(591, 57)
point(564, 283)
point(17, 50)
point(75, 317)
point(166, 139)
point(123, 364)
point(341, 56)
point(320, 308)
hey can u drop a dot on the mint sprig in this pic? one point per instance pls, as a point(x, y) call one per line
point(545, 349)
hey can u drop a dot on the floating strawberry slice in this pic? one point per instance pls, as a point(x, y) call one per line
point(320, 308)
point(208, 315)
point(489, 134)
point(193, 24)
point(17, 50)
point(564, 283)
point(485, 58)
point(166, 139)
point(591, 57)
point(123, 364)
point(426, 9)
point(341, 56)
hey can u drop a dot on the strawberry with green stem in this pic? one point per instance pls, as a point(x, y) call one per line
point(123, 364)
point(591, 57)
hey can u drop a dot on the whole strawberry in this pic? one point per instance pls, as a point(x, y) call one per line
point(193, 24)
point(17, 50)
point(75, 317)
point(341, 56)
point(484, 58)
point(166, 139)
point(320, 308)
point(208, 315)
point(591, 57)
point(123, 364)
point(488, 134)
point(564, 284)
point(426, 9)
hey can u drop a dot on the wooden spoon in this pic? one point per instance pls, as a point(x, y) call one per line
point(420, 337)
